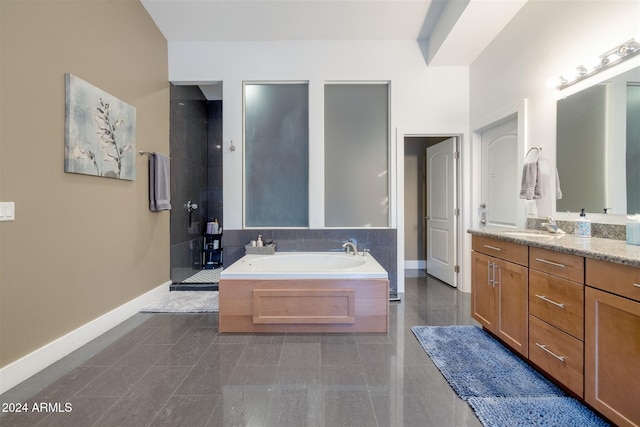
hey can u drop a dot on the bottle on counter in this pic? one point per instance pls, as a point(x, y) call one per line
point(583, 225)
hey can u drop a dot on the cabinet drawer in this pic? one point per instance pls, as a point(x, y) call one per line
point(509, 251)
point(618, 279)
point(557, 301)
point(558, 354)
point(557, 263)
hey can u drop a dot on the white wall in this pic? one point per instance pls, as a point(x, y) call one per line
point(544, 39)
point(423, 101)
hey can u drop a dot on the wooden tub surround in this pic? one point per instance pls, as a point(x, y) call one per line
point(304, 292)
point(304, 305)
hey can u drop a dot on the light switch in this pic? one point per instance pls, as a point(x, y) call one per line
point(7, 211)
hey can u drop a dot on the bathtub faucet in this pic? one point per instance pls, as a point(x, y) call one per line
point(351, 244)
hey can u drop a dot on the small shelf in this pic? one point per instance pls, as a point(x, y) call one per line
point(212, 251)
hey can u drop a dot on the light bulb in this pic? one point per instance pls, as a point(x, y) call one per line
point(570, 74)
point(554, 82)
point(613, 58)
point(592, 62)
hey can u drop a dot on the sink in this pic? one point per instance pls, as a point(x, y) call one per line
point(533, 233)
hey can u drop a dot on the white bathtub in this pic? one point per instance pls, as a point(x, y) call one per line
point(305, 265)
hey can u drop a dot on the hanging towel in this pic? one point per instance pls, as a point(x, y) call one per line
point(531, 187)
point(558, 190)
point(159, 182)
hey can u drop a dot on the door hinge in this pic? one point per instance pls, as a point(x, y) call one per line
point(456, 211)
point(456, 155)
point(456, 269)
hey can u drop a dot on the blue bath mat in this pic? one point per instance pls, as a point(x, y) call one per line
point(501, 388)
point(476, 365)
point(533, 411)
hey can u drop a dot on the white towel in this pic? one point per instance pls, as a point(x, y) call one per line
point(159, 182)
point(531, 187)
point(558, 190)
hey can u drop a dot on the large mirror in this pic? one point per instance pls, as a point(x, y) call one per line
point(598, 147)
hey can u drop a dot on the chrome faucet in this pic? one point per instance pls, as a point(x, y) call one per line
point(351, 245)
point(551, 226)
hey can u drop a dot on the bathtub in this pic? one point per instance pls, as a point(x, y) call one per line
point(304, 292)
point(305, 265)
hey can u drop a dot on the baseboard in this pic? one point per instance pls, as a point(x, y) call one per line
point(23, 368)
point(415, 265)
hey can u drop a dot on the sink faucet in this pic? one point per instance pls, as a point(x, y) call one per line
point(551, 226)
point(352, 245)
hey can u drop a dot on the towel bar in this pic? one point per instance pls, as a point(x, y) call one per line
point(143, 152)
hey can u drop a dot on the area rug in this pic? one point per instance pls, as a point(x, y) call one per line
point(477, 365)
point(501, 388)
point(185, 302)
point(533, 411)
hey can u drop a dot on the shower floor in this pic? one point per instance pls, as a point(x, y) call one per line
point(202, 280)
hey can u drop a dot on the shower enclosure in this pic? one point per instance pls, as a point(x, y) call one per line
point(196, 186)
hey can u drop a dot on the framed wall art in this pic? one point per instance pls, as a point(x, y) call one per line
point(100, 132)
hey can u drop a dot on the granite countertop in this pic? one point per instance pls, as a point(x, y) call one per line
point(617, 251)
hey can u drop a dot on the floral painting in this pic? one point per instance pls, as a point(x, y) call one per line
point(100, 137)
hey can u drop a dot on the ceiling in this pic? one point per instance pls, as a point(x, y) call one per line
point(466, 26)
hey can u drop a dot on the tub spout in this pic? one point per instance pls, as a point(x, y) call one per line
point(350, 246)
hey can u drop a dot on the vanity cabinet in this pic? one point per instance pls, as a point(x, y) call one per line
point(575, 317)
point(612, 341)
point(499, 290)
point(556, 316)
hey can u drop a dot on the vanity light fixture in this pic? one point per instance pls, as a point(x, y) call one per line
point(593, 65)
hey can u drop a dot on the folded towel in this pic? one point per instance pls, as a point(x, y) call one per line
point(558, 190)
point(159, 182)
point(531, 187)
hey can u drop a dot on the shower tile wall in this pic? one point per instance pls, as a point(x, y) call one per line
point(189, 178)
point(381, 242)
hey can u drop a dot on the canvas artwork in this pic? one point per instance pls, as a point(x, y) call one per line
point(100, 137)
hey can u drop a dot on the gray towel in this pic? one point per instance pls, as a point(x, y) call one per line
point(531, 187)
point(159, 182)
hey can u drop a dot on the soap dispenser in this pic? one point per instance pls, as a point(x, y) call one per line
point(583, 225)
point(260, 243)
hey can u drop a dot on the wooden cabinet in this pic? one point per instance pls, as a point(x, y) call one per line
point(556, 322)
point(557, 353)
point(500, 290)
point(612, 341)
point(575, 318)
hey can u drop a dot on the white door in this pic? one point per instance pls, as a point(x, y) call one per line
point(500, 177)
point(441, 215)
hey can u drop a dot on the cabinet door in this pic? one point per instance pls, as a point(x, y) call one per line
point(513, 300)
point(483, 292)
point(612, 356)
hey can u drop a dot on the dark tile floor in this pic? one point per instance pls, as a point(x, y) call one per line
point(175, 370)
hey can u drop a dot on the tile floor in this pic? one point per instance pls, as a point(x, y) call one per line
point(175, 370)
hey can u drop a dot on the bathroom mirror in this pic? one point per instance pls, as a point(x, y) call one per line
point(598, 147)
